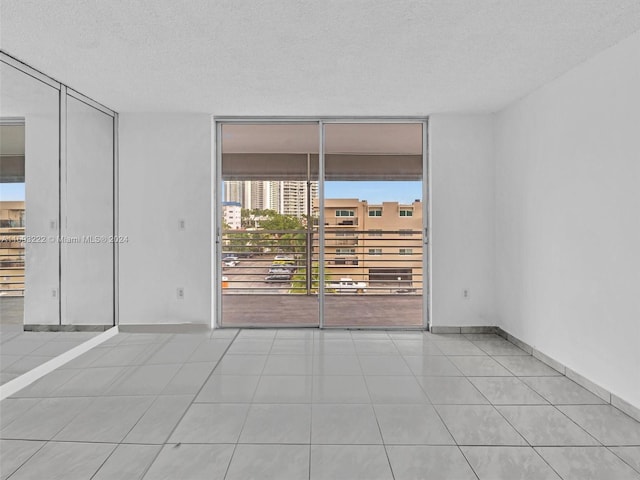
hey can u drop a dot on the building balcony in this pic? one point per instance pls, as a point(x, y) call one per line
point(341, 222)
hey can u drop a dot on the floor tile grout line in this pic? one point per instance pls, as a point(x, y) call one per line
point(525, 439)
point(52, 439)
point(636, 469)
point(164, 444)
point(600, 401)
point(106, 459)
point(375, 414)
point(511, 425)
point(150, 355)
point(535, 449)
point(29, 458)
point(122, 374)
point(313, 348)
point(407, 444)
point(249, 404)
point(455, 440)
point(577, 424)
point(468, 462)
point(437, 412)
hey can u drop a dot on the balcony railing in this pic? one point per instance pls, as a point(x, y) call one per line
point(286, 262)
point(12, 262)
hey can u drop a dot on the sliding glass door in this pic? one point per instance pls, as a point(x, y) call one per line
point(373, 225)
point(343, 218)
point(269, 184)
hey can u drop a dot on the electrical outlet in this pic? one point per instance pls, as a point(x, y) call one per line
point(180, 293)
point(181, 224)
point(54, 292)
point(466, 294)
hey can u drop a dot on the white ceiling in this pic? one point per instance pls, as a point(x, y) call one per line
point(304, 57)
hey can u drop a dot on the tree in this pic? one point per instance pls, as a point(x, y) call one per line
point(237, 242)
point(299, 280)
point(279, 222)
point(285, 233)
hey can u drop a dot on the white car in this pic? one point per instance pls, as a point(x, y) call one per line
point(347, 285)
point(230, 261)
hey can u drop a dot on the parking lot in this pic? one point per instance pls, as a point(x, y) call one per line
point(248, 276)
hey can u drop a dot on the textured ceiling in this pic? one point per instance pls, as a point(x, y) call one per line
point(303, 57)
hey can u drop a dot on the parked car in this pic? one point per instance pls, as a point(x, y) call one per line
point(283, 266)
point(230, 261)
point(347, 285)
point(278, 270)
point(278, 278)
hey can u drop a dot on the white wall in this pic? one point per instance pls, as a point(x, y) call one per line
point(165, 162)
point(462, 223)
point(86, 279)
point(568, 219)
point(165, 177)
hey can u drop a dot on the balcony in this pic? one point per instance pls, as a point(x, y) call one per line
point(341, 222)
point(343, 261)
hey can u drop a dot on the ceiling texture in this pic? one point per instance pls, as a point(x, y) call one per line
point(304, 57)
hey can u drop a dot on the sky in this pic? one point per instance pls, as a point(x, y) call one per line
point(11, 192)
point(375, 192)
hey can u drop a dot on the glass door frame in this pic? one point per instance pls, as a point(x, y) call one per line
point(216, 230)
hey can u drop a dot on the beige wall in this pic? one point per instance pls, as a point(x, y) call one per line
point(11, 249)
point(340, 238)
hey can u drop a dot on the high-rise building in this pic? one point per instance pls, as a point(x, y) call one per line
point(286, 197)
point(253, 195)
point(233, 191)
point(294, 198)
point(272, 195)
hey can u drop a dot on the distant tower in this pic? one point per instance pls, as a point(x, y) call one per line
point(272, 195)
point(293, 197)
point(254, 195)
point(233, 191)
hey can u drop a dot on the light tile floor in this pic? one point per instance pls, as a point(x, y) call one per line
point(22, 351)
point(309, 404)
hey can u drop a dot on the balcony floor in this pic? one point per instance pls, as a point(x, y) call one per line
point(393, 311)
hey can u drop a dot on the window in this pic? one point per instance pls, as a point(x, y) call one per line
point(345, 213)
point(375, 232)
point(406, 212)
point(375, 212)
point(375, 251)
point(346, 234)
point(406, 233)
point(345, 251)
point(406, 251)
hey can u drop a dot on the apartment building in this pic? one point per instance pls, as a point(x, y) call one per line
point(288, 197)
point(12, 228)
point(381, 244)
point(295, 196)
point(233, 191)
point(232, 214)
